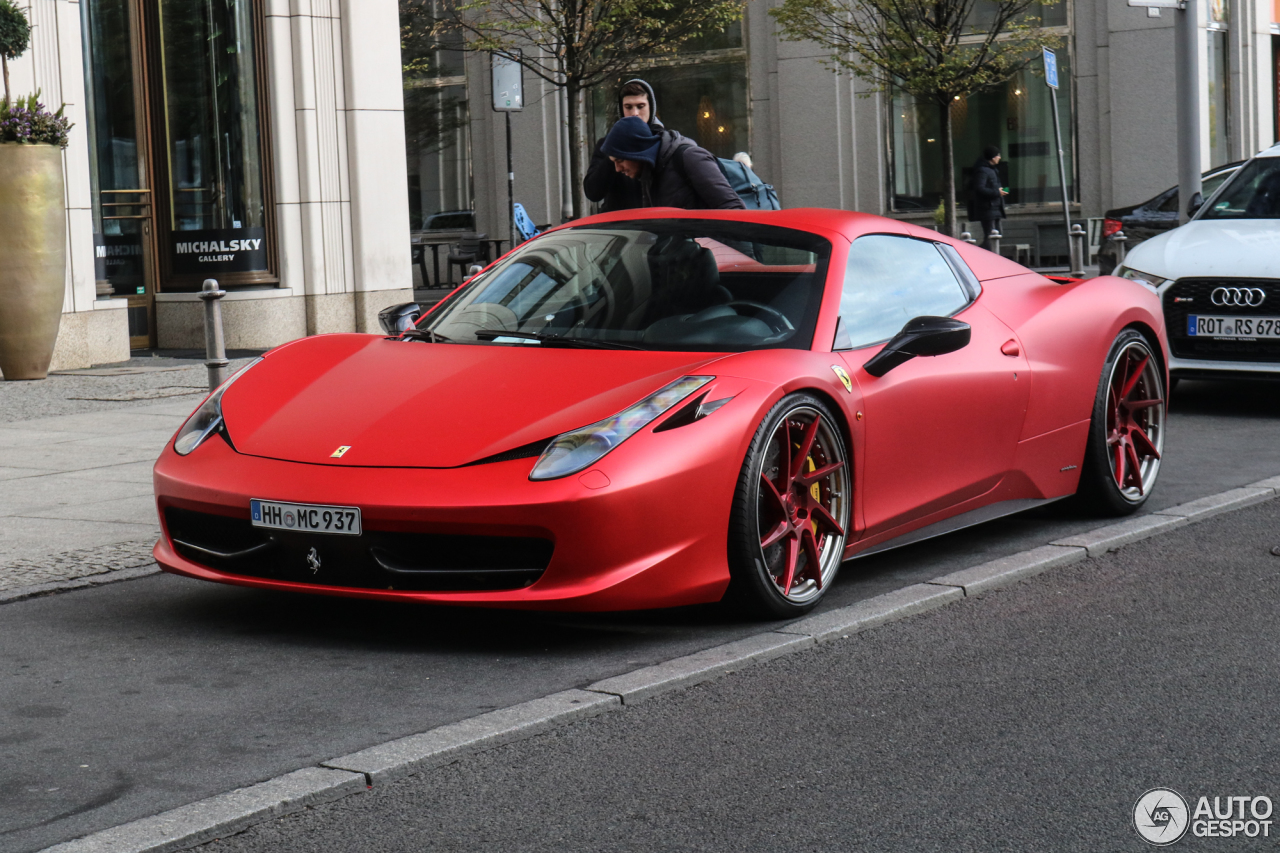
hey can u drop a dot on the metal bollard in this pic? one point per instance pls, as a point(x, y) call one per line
point(995, 240)
point(1077, 249)
point(215, 349)
point(1121, 242)
point(967, 237)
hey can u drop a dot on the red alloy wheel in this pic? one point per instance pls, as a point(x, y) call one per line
point(1135, 420)
point(802, 501)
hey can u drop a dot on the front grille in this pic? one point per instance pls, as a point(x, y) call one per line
point(1190, 296)
point(421, 562)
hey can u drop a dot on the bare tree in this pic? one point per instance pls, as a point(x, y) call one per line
point(577, 44)
point(939, 51)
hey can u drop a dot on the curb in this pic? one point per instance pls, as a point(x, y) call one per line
point(22, 593)
point(226, 814)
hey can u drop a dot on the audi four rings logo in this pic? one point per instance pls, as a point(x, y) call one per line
point(1243, 297)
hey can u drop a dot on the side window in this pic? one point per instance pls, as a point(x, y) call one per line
point(890, 280)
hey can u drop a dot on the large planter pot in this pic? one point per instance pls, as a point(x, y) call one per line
point(33, 257)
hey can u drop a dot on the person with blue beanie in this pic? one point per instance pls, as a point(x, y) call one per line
point(671, 170)
point(604, 184)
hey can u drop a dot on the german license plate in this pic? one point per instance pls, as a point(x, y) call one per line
point(1201, 325)
point(312, 518)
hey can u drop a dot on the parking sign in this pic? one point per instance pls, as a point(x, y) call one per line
point(1050, 68)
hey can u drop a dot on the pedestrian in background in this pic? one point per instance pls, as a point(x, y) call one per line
point(986, 196)
point(671, 170)
point(605, 184)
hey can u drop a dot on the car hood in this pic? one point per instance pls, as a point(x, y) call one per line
point(431, 405)
point(1236, 248)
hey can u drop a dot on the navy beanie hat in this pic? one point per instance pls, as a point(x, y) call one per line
point(990, 152)
point(631, 139)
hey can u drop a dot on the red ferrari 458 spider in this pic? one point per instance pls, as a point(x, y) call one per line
point(664, 407)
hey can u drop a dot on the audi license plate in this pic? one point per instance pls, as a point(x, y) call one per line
point(313, 518)
point(1199, 325)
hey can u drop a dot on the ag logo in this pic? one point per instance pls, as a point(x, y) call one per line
point(1160, 816)
point(843, 376)
point(313, 560)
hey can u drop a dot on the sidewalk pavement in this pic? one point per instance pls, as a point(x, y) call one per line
point(76, 450)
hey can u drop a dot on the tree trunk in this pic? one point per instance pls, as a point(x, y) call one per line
point(573, 94)
point(948, 171)
point(5, 61)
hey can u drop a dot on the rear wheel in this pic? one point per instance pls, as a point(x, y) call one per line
point(1126, 434)
point(790, 511)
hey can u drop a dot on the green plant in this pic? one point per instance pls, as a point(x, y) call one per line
point(15, 36)
point(27, 121)
point(940, 214)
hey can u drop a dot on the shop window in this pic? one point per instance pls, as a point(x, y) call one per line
point(211, 142)
point(1016, 117)
point(1218, 81)
point(701, 92)
point(437, 122)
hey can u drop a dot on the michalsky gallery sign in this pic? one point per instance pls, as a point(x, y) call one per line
point(222, 250)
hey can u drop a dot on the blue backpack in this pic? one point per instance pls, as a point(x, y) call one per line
point(755, 193)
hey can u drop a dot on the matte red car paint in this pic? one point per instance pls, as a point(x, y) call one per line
point(933, 438)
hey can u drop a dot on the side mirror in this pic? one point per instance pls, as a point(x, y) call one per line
point(396, 319)
point(1197, 202)
point(922, 336)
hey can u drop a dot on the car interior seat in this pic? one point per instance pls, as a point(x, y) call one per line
point(684, 278)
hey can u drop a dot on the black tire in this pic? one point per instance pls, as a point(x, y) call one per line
point(803, 515)
point(1126, 432)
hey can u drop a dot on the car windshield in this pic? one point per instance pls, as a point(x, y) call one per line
point(672, 284)
point(1254, 193)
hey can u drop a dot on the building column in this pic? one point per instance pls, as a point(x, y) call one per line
point(373, 108)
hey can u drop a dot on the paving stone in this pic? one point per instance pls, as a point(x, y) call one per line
point(1009, 569)
point(219, 816)
point(871, 612)
point(72, 565)
point(701, 666)
point(415, 753)
point(1111, 537)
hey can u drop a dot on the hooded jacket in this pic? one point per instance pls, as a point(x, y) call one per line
point(985, 201)
point(603, 183)
point(686, 176)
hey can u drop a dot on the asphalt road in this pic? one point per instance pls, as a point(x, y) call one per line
point(126, 700)
point(1028, 718)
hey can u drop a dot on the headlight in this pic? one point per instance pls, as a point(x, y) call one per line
point(576, 450)
point(206, 419)
point(1139, 276)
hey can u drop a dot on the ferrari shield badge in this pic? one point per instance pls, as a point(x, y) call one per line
point(843, 376)
point(340, 452)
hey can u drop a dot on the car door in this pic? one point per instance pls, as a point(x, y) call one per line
point(942, 430)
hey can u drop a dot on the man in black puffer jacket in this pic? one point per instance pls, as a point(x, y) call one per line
point(603, 183)
point(986, 198)
point(672, 171)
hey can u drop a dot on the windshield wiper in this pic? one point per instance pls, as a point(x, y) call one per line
point(552, 340)
point(427, 335)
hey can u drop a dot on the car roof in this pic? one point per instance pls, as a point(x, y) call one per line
point(827, 222)
point(1273, 151)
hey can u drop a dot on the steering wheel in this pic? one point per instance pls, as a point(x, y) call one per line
point(782, 324)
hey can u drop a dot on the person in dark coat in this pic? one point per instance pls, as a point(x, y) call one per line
point(671, 170)
point(603, 183)
point(986, 198)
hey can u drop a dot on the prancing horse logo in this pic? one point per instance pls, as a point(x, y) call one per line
point(313, 560)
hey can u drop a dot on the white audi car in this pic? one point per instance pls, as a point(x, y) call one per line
point(1218, 277)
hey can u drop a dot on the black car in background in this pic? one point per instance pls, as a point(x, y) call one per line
point(1154, 216)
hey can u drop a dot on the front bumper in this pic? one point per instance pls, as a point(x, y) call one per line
point(651, 532)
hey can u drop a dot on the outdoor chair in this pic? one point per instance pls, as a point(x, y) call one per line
point(467, 251)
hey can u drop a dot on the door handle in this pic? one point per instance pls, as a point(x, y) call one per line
point(1011, 348)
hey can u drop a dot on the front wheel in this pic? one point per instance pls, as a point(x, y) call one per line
point(790, 510)
point(1126, 434)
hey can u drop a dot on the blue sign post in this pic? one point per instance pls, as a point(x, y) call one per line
point(1051, 78)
